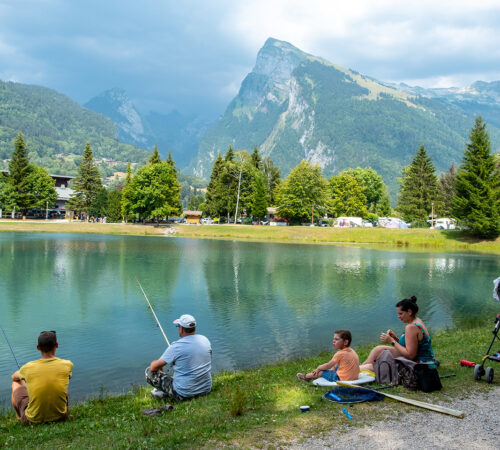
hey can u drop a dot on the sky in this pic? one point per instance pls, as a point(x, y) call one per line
point(193, 55)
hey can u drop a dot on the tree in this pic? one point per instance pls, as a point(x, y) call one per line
point(384, 206)
point(303, 193)
point(446, 189)
point(155, 191)
point(272, 178)
point(347, 194)
point(98, 206)
point(87, 183)
point(19, 170)
point(155, 157)
point(215, 205)
point(195, 201)
point(126, 200)
point(371, 183)
point(7, 195)
point(418, 189)
point(256, 159)
point(259, 197)
point(40, 186)
point(477, 198)
point(112, 211)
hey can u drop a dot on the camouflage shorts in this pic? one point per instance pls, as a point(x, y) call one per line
point(163, 382)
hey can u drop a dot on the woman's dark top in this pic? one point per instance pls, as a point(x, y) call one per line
point(424, 350)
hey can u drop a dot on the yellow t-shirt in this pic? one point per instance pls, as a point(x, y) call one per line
point(47, 383)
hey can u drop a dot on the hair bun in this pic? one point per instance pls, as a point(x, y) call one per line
point(413, 299)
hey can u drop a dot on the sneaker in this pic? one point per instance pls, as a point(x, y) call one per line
point(159, 395)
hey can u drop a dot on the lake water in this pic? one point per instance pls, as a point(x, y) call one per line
point(256, 302)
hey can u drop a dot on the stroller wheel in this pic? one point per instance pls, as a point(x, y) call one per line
point(478, 372)
point(489, 375)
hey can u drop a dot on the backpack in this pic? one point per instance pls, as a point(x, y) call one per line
point(386, 369)
point(406, 372)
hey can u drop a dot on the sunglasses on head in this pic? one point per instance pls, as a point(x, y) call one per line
point(51, 331)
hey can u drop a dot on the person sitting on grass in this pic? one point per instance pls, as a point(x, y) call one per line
point(344, 365)
point(40, 388)
point(191, 359)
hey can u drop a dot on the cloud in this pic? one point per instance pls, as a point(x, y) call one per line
point(193, 55)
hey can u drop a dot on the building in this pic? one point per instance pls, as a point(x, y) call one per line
point(192, 216)
point(63, 191)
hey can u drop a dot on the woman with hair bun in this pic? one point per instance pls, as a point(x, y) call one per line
point(414, 343)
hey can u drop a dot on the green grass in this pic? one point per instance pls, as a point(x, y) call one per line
point(410, 239)
point(255, 407)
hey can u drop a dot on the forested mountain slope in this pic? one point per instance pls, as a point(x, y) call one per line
point(56, 128)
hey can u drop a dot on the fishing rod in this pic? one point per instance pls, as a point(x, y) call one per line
point(152, 310)
point(10, 346)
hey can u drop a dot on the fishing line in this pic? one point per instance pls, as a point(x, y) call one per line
point(10, 346)
point(152, 310)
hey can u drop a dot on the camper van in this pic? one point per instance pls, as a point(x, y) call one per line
point(445, 224)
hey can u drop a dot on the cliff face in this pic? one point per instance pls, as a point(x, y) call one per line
point(296, 106)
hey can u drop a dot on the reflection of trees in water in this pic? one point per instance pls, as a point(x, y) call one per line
point(456, 287)
point(25, 263)
point(238, 279)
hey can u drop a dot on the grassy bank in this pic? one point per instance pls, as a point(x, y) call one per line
point(256, 407)
point(410, 239)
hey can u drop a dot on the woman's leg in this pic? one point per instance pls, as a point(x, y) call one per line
point(375, 353)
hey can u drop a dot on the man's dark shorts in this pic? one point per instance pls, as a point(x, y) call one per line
point(163, 382)
point(21, 401)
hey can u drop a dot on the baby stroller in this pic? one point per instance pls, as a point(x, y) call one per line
point(479, 369)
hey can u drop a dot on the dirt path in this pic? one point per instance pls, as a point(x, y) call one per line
point(480, 429)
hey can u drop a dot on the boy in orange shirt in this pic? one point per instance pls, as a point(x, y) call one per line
point(344, 365)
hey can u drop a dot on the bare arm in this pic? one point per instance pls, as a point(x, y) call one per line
point(16, 376)
point(157, 364)
point(411, 340)
point(327, 366)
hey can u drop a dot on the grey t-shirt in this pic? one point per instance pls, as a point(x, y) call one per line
point(191, 358)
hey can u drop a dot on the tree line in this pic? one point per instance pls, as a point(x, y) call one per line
point(245, 185)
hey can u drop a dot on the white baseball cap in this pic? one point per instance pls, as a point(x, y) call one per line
point(186, 321)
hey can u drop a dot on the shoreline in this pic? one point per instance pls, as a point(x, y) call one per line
point(259, 407)
point(375, 238)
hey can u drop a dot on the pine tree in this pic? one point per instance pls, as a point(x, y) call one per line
point(87, 183)
point(259, 196)
point(418, 189)
point(19, 171)
point(215, 198)
point(477, 197)
point(447, 191)
point(155, 157)
point(126, 201)
point(256, 159)
point(170, 160)
point(230, 154)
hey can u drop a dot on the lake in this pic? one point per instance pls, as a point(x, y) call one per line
point(256, 302)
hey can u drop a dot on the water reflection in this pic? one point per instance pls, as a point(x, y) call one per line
point(256, 302)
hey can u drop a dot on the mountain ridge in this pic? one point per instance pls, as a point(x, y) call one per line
point(294, 105)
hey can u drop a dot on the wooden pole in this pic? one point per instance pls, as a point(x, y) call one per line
point(430, 406)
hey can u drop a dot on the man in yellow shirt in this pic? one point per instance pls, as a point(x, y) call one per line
point(40, 388)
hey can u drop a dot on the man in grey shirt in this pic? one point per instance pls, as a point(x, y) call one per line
point(191, 359)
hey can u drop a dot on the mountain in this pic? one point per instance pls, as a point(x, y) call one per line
point(480, 98)
point(294, 105)
point(56, 128)
point(172, 132)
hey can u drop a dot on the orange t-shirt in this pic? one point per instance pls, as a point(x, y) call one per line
point(347, 361)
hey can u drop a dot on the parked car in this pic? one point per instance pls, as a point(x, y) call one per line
point(206, 220)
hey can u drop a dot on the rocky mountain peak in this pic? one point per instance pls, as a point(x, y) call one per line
point(278, 59)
